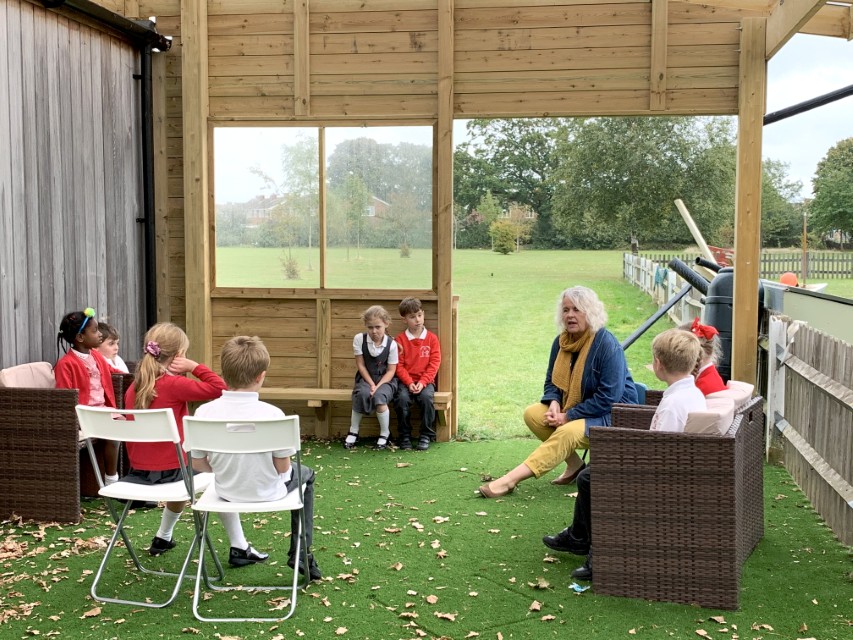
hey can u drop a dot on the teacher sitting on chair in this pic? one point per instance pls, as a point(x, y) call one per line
point(587, 374)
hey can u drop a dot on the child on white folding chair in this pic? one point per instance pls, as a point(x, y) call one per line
point(159, 383)
point(253, 477)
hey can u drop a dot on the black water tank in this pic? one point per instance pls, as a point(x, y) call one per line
point(718, 313)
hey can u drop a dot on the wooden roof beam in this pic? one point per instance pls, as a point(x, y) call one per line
point(786, 19)
point(835, 20)
point(657, 72)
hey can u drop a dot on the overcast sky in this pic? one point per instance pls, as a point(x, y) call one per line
point(806, 67)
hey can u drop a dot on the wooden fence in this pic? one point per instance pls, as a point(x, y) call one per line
point(810, 416)
point(662, 284)
point(820, 265)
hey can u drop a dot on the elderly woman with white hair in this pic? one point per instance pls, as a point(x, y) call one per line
point(587, 374)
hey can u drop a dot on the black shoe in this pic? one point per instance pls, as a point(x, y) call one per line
point(313, 570)
point(565, 541)
point(584, 572)
point(143, 504)
point(242, 557)
point(158, 546)
point(406, 444)
point(351, 445)
point(381, 444)
point(423, 443)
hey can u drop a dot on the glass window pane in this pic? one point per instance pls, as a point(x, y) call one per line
point(379, 207)
point(266, 190)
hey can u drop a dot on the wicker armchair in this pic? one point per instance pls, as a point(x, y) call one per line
point(676, 515)
point(40, 461)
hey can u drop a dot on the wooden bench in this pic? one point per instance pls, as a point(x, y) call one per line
point(319, 398)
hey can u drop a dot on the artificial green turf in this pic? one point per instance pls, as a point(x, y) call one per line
point(377, 509)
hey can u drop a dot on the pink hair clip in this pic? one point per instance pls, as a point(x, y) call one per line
point(153, 349)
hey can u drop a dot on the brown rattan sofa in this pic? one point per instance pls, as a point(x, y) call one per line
point(676, 515)
point(40, 456)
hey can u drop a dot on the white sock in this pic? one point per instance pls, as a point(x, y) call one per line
point(167, 524)
point(355, 425)
point(231, 523)
point(384, 424)
point(110, 479)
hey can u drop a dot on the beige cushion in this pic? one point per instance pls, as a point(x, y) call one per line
point(34, 375)
point(716, 420)
point(739, 392)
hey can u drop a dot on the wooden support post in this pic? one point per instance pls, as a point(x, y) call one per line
point(301, 59)
point(324, 364)
point(443, 205)
point(197, 247)
point(161, 187)
point(751, 105)
point(657, 71)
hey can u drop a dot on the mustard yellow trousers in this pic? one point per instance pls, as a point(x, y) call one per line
point(557, 444)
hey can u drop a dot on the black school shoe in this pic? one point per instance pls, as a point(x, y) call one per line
point(242, 557)
point(423, 443)
point(313, 570)
point(584, 572)
point(158, 546)
point(406, 443)
point(565, 541)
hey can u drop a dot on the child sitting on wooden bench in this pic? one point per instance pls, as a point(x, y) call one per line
point(676, 353)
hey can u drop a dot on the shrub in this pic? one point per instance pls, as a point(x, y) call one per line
point(502, 233)
point(405, 251)
point(290, 266)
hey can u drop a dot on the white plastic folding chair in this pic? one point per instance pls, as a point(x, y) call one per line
point(138, 425)
point(241, 437)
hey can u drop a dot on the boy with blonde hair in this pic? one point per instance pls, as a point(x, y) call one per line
point(253, 477)
point(675, 355)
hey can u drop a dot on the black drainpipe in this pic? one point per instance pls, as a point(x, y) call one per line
point(143, 35)
point(147, 124)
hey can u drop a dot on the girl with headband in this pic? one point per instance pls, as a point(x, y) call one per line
point(708, 379)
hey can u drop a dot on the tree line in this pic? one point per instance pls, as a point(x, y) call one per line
point(598, 183)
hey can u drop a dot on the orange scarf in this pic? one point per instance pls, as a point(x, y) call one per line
point(564, 375)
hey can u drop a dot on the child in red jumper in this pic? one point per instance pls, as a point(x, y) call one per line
point(159, 383)
point(708, 379)
point(85, 369)
point(420, 357)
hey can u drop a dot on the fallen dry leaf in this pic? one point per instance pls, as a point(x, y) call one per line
point(548, 618)
point(409, 614)
point(718, 619)
point(473, 594)
point(703, 633)
point(440, 519)
point(541, 583)
point(192, 630)
point(441, 554)
point(760, 626)
point(400, 465)
point(417, 525)
point(397, 566)
point(632, 632)
point(535, 606)
point(431, 599)
point(341, 631)
point(480, 513)
point(494, 530)
point(803, 628)
point(91, 613)
point(445, 616)
point(549, 559)
point(393, 529)
point(472, 634)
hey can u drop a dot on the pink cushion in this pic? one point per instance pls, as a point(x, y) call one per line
point(739, 392)
point(34, 375)
point(716, 420)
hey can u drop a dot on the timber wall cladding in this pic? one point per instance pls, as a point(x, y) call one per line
point(377, 59)
point(69, 182)
point(303, 352)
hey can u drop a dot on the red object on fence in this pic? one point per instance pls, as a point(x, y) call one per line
point(724, 257)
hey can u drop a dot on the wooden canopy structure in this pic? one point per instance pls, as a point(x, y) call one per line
point(428, 62)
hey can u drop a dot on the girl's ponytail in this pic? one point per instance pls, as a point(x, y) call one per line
point(162, 343)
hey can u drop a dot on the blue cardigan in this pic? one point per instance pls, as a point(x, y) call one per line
point(606, 381)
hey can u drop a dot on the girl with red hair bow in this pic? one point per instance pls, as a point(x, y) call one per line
point(708, 379)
